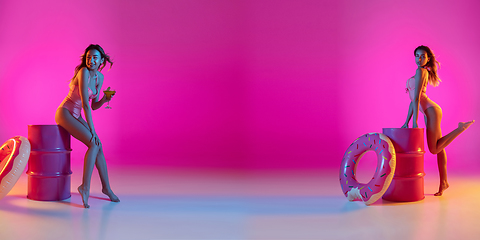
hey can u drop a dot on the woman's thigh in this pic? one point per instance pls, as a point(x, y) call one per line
point(433, 122)
point(80, 119)
point(74, 126)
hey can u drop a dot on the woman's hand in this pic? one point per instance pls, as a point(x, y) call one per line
point(95, 138)
point(106, 98)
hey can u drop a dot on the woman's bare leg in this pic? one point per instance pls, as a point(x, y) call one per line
point(434, 133)
point(442, 170)
point(101, 165)
point(88, 165)
point(81, 132)
point(437, 143)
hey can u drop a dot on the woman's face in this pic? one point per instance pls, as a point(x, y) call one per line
point(421, 57)
point(94, 59)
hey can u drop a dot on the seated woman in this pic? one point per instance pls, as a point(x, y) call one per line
point(85, 86)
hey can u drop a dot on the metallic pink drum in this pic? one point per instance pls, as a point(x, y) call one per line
point(407, 184)
point(49, 165)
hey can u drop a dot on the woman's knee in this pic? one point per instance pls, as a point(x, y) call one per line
point(93, 145)
point(100, 151)
point(432, 143)
point(433, 151)
point(99, 144)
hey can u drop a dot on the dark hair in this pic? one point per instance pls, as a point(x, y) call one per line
point(432, 65)
point(84, 59)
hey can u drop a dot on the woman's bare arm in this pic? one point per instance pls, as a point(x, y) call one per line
point(409, 115)
point(421, 76)
point(83, 77)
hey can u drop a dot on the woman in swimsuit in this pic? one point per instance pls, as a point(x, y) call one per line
point(85, 86)
point(417, 86)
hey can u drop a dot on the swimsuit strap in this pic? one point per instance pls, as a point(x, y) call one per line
point(96, 82)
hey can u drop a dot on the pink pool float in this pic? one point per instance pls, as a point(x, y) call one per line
point(378, 185)
point(14, 155)
point(399, 172)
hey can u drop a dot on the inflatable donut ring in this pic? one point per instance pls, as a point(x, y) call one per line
point(373, 190)
point(14, 154)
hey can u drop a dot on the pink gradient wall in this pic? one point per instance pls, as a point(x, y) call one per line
point(240, 84)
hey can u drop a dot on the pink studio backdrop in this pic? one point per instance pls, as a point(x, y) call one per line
point(240, 84)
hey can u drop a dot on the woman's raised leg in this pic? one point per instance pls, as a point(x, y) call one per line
point(434, 133)
point(437, 143)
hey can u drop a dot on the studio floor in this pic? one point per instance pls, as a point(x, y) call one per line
point(161, 203)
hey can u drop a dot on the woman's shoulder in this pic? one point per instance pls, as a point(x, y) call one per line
point(422, 71)
point(78, 75)
point(82, 73)
point(83, 70)
point(100, 74)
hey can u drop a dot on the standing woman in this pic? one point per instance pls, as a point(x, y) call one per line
point(417, 87)
point(85, 86)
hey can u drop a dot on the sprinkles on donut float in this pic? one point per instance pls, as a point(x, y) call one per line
point(386, 161)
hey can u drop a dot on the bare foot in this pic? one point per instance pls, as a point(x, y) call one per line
point(111, 195)
point(465, 125)
point(84, 193)
point(443, 187)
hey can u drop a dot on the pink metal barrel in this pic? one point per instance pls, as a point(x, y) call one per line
point(407, 184)
point(49, 165)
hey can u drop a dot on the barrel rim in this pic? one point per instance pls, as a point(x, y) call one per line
point(57, 150)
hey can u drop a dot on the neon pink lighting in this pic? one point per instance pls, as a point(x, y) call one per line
point(254, 84)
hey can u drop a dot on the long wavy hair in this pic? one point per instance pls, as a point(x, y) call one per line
point(84, 59)
point(432, 65)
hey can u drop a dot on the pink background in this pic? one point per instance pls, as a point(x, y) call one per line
point(258, 84)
